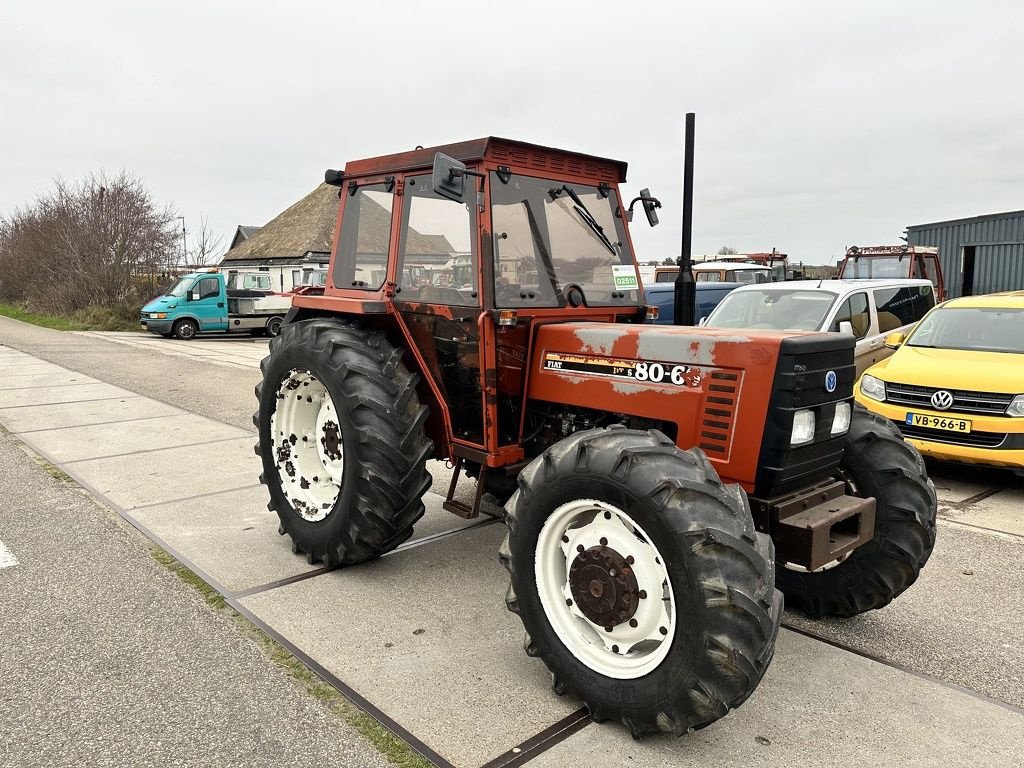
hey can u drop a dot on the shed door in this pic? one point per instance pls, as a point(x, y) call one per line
point(998, 268)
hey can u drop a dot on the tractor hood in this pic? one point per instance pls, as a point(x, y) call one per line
point(688, 381)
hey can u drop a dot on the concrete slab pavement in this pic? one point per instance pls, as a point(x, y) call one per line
point(236, 351)
point(463, 683)
point(820, 706)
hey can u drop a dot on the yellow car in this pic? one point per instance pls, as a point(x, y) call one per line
point(955, 385)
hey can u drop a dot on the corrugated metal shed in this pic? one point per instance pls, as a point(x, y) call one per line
point(982, 254)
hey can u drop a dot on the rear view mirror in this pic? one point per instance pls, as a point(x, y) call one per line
point(193, 295)
point(449, 178)
point(702, 321)
point(894, 340)
point(845, 326)
point(650, 207)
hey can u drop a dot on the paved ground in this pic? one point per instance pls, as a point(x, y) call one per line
point(422, 634)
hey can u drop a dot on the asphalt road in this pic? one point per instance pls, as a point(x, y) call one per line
point(108, 659)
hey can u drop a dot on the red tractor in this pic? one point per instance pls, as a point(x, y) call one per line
point(660, 482)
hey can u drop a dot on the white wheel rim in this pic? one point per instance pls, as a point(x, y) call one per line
point(308, 447)
point(627, 651)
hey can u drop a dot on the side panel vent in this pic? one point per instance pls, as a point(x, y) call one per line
point(718, 417)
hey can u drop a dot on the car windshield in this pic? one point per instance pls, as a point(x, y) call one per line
point(859, 267)
point(796, 310)
point(548, 235)
point(179, 287)
point(983, 329)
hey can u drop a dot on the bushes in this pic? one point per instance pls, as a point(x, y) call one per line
point(90, 250)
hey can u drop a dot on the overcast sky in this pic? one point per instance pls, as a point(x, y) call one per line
point(817, 126)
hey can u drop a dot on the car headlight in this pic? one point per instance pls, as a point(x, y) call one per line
point(841, 421)
point(158, 315)
point(803, 428)
point(1016, 407)
point(872, 387)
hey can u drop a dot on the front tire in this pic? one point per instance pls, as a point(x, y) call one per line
point(273, 327)
point(341, 440)
point(640, 580)
point(185, 330)
point(877, 462)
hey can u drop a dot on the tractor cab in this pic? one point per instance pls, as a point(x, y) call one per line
point(468, 248)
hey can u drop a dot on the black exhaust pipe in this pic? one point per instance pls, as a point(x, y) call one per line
point(686, 289)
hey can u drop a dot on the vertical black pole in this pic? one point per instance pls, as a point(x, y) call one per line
point(686, 289)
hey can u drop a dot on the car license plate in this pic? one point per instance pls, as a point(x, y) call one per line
point(938, 422)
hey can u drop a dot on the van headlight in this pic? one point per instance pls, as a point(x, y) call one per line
point(841, 421)
point(872, 387)
point(803, 428)
point(1016, 407)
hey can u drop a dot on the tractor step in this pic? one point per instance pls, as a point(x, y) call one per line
point(817, 526)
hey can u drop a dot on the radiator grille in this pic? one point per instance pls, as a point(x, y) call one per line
point(964, 401)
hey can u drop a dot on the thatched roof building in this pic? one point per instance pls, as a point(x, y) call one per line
point(301, 236)
point(300, 233)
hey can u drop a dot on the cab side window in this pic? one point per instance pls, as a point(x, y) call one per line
point(207, 287)
point(437, 260)
point(902, 306)
point(855, 312)
point(362, 258)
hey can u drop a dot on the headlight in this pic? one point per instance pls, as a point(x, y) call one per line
point(803, 428)
point(872, 387)
point(1016, 408)
point(841, 421)
point(158, 315)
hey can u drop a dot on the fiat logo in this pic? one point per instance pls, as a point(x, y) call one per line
point(942, 400)
point(830, 381)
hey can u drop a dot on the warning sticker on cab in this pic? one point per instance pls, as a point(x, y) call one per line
point(633, 370)
point(625, 277)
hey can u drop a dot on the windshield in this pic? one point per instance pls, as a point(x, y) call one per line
point(748, 276)
point(548, 235)
point(179, 287)
point(773, 310)
point(876, 266)
point(979, 328)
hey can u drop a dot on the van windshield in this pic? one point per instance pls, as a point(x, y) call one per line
point(983, 329)
point(796, 310)
point(179, 286)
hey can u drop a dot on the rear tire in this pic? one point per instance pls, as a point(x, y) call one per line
point(273, 327)
point(663, 534)
point(345, 461)
point(879, 463)
point(185, 330)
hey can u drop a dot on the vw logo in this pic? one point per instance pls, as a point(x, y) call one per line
point(942, 400)
point(830, 381)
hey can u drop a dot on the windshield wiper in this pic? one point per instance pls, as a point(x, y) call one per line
point(586, 215)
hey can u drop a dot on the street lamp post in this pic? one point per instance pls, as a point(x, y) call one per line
point(184, 243)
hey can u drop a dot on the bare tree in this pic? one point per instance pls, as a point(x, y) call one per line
point(206, 246)
point(101, 241)
point(726, 250)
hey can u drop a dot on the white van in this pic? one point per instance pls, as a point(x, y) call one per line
point(868, 309)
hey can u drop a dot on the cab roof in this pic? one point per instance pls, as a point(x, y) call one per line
point(503, 151)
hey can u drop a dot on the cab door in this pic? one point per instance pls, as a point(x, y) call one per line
point(207, 304)
point(437, 294)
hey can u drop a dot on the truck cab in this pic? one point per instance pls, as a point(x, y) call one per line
point(201, 302)
point(919, 262)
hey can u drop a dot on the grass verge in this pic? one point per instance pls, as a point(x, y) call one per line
point(88, 319)
point(391, 746)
